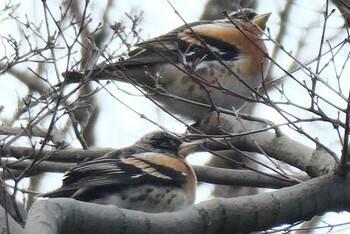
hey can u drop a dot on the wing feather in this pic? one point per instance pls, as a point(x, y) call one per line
point(117, 172)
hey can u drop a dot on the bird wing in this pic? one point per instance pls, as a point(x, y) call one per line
point(188, 44)
point(117, 172)
point(185, 41)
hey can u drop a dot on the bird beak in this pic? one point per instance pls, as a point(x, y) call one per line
point(188, 147)
point(261, 20)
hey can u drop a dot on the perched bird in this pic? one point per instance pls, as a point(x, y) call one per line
point(196, 67)
point(150, 176)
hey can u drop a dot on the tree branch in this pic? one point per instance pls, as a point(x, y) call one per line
point(207, 174)
point(11, 226)
point(260, 212)
point(314, 162)
point(247, 178)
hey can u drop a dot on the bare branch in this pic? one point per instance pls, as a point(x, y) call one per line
point(260, 212)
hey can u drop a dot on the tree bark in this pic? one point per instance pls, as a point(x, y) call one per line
point(233, 215)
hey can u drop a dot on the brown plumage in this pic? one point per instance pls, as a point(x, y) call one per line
point(217, 62)
point(150, 176)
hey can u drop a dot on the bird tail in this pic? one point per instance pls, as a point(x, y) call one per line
point(73, 76)
point(58, 193)
point(105, 73)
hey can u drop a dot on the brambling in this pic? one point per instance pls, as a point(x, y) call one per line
point(150, 176)
point(197, 67)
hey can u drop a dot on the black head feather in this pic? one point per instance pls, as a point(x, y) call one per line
point(243, 14)
point(160, 141)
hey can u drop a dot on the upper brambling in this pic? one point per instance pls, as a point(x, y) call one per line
point(151, 176)
point(197, 67)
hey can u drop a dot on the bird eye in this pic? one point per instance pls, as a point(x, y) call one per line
point(168, 144)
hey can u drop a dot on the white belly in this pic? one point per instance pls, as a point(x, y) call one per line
point(221, 87)
point(149, 198)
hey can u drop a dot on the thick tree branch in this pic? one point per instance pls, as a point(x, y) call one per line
point(234, 215)
point(8, 224)
point(250, 136)
point(69, 156)
point(245, 178)
point(15, 210)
